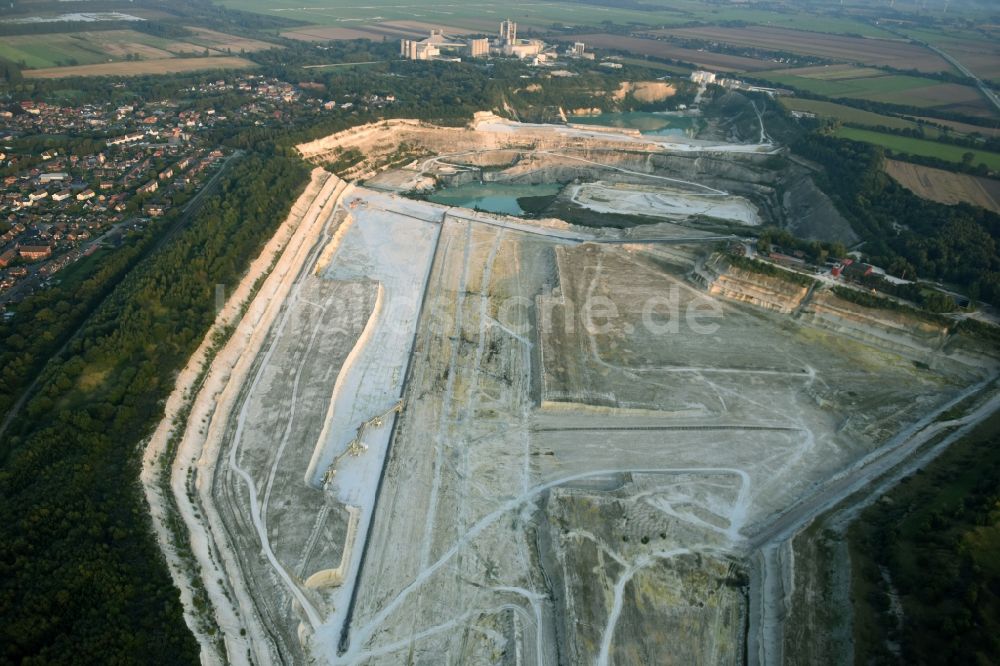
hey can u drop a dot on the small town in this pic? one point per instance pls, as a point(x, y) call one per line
point(143, 161)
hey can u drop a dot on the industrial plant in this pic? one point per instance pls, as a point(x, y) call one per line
point(439, 46)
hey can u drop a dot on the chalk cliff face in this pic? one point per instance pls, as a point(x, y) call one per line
point(762, 291)
point(759, 290)
point(902, 333)
point(377, 141)
point(899, 332)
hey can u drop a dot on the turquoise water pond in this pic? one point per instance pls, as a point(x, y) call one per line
point(492, 197)
point(658, 124)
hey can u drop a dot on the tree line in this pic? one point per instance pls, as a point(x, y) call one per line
point(936, 540)
point(83, 580)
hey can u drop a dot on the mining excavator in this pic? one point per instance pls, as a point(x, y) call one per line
point(357, 446)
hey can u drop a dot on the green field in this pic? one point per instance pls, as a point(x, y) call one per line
point(864, 87)
point(954, 39)
point(975, 49)
point(659, 66)
point(347, 14)
point(902, 144)
point(888, 88)
point(848, 114)
point(831, 72)
point(808, 21)
point(51, 50)
point(45, 51)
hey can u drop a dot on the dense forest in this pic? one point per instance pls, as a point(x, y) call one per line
point(905, 234)
point(82, 579)
point(931, 546)
point(43, 321)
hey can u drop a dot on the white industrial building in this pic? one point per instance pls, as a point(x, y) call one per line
point(507, 45)
point(428, 49)
point(508, 33)
point(702, 77)
point(479, 48)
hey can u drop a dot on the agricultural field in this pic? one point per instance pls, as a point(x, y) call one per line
point(327, 34)
point(903, 144)
point(966, 128)
point(45, 51)
point(719, 62)
point(974, 49)
point(944, 186)
point(807, 21)
point(833, 72)
point(140, 67)
point(871, 52)
point(659, 66)
point(220, 42)
point(57, 49)
point(542, 16)
point(847, 114)
point(482, 16)
point(881, 87)
point(472, 15)
point(377, 31)
point(421, 28)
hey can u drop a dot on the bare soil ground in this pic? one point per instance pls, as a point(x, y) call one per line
point(424, 28)
point(329, 33)
point(944, 186)
point(373, 31)
point(984, 65)
point(220, 41)
point(724, 428)
point(278, 255)
point(667, 203)
point(119, 43)
point(646, 91)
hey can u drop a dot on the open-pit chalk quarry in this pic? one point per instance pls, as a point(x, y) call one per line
point(446, 436)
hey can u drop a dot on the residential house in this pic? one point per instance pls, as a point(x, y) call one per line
point(34, 252)
point(148, 188)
